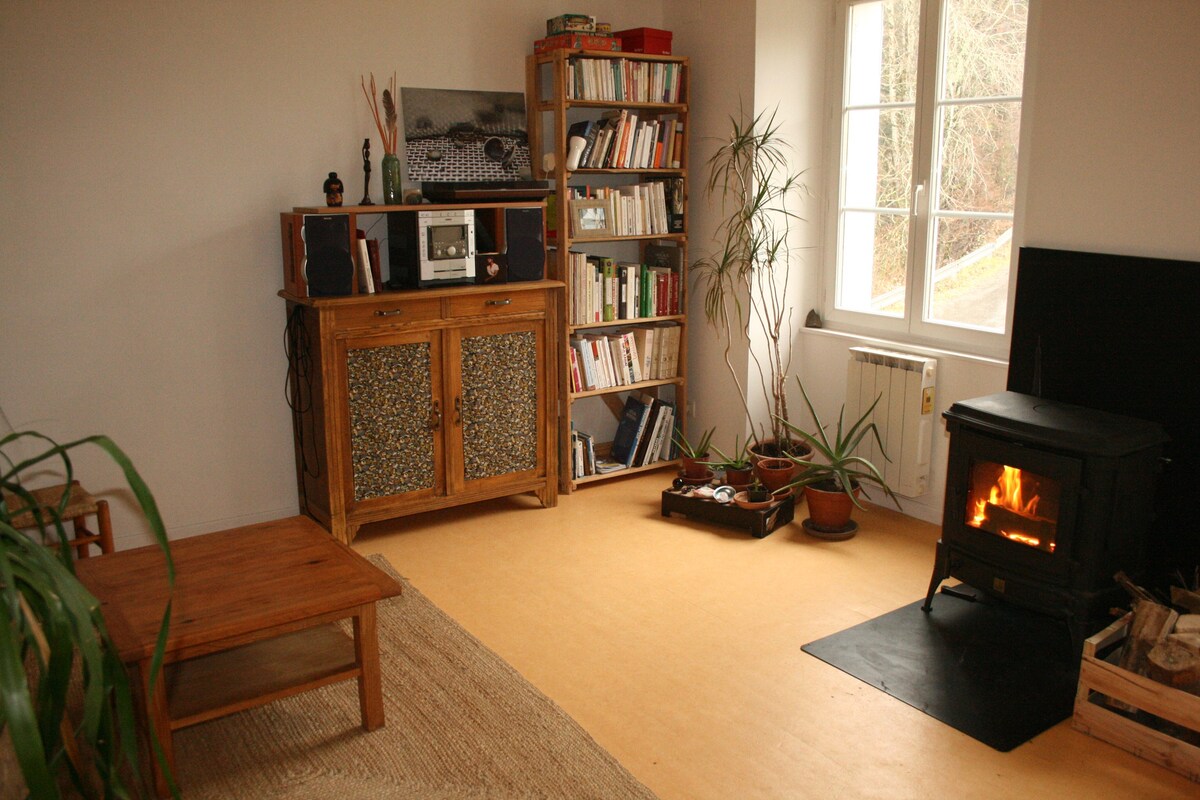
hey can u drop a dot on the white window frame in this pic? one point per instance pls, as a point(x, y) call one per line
point(912, 327)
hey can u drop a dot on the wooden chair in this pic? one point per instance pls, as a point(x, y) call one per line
point(80, 505)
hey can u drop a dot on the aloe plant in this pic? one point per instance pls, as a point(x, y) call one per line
point(697, 450)
point(838, 462)
point(738, 461)
point(54, 624)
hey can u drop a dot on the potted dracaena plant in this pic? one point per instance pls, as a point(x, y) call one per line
point(54, 644)
point(749, 282)
point(832, 484)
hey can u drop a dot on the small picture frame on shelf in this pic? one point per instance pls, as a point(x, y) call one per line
point(491, 268)
point(590, 219)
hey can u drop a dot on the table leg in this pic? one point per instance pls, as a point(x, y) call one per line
point(159, 722)
point(366, 653)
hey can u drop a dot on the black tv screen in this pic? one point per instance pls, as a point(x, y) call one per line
point(1118, 333)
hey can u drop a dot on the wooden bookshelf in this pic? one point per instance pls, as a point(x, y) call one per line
point(554, 105)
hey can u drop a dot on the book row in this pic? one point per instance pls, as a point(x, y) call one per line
point(623, 357)
point(645, 431)
point(633, 447)
point(623, 81)
point(621, 139)
point(606, 290)
point(635, 209)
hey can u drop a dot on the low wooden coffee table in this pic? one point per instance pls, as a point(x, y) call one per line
point(251, 621)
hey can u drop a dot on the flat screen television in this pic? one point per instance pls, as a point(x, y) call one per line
point(1118, 333)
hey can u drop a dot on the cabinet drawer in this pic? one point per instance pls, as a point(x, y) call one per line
point(483, 305)
point(384, 313)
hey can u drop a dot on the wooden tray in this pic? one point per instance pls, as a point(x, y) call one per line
point(758, 523)
point(1098, 678)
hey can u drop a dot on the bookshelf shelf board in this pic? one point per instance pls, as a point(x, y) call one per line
point(547, 57)
point(669, 237)
point(620, 323)
point(626, 471)
point(678, 173)
point(665, 108)
point(628, 387)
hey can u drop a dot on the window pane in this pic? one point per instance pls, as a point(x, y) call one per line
point(985, 48)
point(979, 157)
point(879, 158)
point(874, 249)
point(882, 57)
point(969, 286)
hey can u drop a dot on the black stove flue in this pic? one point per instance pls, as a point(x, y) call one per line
point(1045, 502)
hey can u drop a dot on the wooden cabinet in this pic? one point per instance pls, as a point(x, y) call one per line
point(415, 400)
point(628, 95)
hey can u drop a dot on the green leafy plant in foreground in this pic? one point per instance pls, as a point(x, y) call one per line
point(54, 638)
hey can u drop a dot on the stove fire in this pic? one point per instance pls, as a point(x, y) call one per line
point(1004, 500)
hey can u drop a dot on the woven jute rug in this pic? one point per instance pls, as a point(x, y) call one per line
point(461, 723)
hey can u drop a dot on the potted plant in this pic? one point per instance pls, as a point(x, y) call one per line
point(832, 485)
point(694, 456)
point(738, 468)
point(748, 282)
point(54, 642)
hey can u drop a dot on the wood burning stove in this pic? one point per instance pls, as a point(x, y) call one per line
point(1045, 502)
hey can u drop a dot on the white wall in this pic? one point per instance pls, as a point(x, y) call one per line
point(719, 37)
point(147, 151)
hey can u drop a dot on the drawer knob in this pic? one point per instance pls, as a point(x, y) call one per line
point(506, 301)
point(394, 312)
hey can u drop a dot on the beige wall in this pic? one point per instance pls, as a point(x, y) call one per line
point(147, 149)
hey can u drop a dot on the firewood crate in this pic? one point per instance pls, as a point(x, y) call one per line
point(1174, 746)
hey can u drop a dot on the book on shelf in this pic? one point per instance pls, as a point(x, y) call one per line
point(658, 427)
point(366, 282)
point(631, 427)
point(623, 80)
point(623, 356)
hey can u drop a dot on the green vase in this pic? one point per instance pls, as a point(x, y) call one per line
point(390, 170)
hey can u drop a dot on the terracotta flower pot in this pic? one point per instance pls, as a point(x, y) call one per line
point(695, 467)
point(739, 477)
point(774, 473)
point(829, 512)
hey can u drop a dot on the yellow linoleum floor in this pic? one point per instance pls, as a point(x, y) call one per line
point(677, 646)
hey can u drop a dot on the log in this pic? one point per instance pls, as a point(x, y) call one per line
point(1174, 664)
point(1188, 640)
point(1188, 623)
point(1186, 599)
point(1151, 623)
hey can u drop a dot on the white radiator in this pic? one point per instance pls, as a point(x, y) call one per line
point(904, 415)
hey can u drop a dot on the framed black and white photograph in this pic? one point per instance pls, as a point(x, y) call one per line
point(590, 219)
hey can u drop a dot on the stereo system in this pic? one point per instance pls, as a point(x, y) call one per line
point(433, 247)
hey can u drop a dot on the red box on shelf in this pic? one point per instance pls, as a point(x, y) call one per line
point(651, 41)
point(576, 41)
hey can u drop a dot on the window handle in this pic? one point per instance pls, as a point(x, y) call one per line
point(918, 204)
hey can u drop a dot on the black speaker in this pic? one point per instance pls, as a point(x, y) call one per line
point(328, 265)
point(525, 236)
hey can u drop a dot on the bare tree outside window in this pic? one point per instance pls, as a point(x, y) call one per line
point(929, 159)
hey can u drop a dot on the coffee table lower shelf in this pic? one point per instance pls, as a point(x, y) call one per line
point(216, 685)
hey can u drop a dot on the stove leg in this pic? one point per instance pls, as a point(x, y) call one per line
point(941, 563)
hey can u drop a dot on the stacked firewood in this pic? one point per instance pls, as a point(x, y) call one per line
point(1164, 640)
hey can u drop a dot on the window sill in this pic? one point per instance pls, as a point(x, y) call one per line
point(909, 347)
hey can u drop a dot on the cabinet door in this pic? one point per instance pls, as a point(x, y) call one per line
point(497, 396)
point(395, 418)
